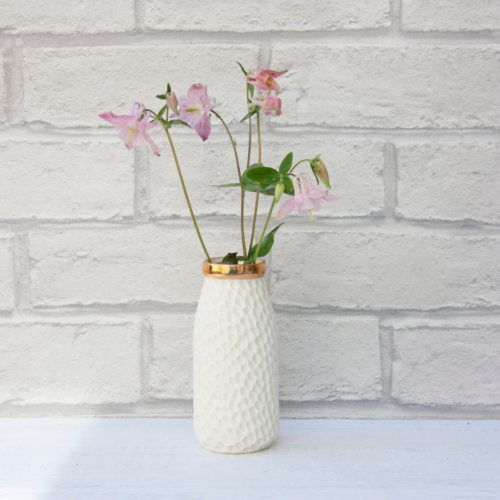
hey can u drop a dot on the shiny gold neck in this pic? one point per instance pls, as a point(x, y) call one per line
point(219, 270)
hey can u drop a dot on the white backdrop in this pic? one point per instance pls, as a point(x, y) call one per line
point(387, 304)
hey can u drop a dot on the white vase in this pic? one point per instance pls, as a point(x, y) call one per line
point(236, 399)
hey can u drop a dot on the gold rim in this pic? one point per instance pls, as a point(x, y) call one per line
point(218, 270)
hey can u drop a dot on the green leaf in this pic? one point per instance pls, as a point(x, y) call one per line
point(231, 184)
point(264, 175)
point(179, 122)
point(162, 110)
point(286, 164)
point(251, 89)
point(244, 179)
point(249, 115)
point(288, 185)
point(252, 187)
point(265, 248)
point(242, 68)
point(161, 96)
point(231, 258)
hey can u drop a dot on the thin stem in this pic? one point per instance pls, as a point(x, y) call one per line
point(293, 168)
point(249, 128)
point(264, 230)
point(185, 193)
point(258, 184)
point(241, 184)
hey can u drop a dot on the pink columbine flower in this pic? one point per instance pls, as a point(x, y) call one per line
point(194, 109)
point(132, 127)
point(265, 79)
point(270, 105)
point(172, 101)
point(306, 198)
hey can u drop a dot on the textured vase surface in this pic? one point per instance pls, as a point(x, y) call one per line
point(236, 399)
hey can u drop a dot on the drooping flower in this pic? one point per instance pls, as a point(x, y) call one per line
point(305, 199)
point(320, 170)
point(269, 105)
point(195, 108)
point(171, 100)
point(265, 79)
point(132, 127)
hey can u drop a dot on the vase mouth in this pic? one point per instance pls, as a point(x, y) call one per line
point(220, 270)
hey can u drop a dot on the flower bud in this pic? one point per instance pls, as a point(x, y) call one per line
point(319, 168)
point(171, 100)
point(278, 191)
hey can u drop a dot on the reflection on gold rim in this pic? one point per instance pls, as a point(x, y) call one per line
point(218, 270)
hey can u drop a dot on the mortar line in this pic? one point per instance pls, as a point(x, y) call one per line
point(142, 191)
point(139, 16)
point(146, 357)
point(21, 274)
point(47, 131)
point(14, 83)
point(180, 37)
point(390, 175)
point(365, 224)
point(396, 15)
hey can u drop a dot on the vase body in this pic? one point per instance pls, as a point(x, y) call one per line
point(235, 358)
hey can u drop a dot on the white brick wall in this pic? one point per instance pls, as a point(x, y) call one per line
point(451, 15)
point(279, 15)
point(387, 304)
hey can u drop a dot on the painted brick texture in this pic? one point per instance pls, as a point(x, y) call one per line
point(454, 363)
point(70, 362)
point(451, 15)
point(65, 180)
point(6, 275)
point(449, 181)
point(66, 17)
point(387, 304)
point(280, 15)
point(425, 86)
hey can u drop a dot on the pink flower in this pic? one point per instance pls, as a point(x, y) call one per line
point(194, 109)
point(306, 198)
point(172, 101)
point(265, 79)
point(132, 127)
point(270, 105)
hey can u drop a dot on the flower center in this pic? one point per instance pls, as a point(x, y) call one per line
point(131, 132)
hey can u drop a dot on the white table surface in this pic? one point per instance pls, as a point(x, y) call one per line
point(108, 459)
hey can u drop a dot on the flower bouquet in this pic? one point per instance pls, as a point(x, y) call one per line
point(236, 403)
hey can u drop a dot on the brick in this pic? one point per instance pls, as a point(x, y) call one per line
point(419, 86)
point(279, 15)
point(450, 15)
point(376, 270)
point(355, 173)
point(6, 276)
point(447, 362)
point(327, 359)
point(115, 77)
point(67, 17)
point(171, 370)
point(144, 264)
point(66, 179)
point(449, 180)
point(70, 361)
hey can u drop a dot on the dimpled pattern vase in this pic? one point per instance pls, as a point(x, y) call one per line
point(236, 400)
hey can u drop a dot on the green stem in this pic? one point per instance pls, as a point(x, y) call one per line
point(293, 168)
point(258, 184)
point(241, 184)
point(185, 193)
point(249, 129)
point(264, 231)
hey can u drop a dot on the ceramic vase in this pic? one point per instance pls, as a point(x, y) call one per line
point(235, 358)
